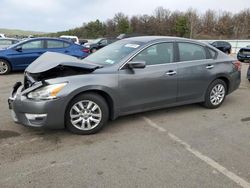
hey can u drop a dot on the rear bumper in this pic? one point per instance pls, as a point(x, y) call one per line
point(243, 58)
point(43, 113)
point(234, 81)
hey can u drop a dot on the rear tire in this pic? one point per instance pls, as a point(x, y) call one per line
point(5, 67)
point(87, 114)
point(215, 94)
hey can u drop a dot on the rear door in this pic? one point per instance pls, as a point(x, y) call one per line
point(57, 46)
point(153, 86)
point(195, 69)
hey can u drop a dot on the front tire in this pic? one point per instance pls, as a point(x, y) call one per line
point(5, 67)
point(87, 114)
point(215, 94)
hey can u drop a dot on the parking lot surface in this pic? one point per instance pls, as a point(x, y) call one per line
point(187, 146)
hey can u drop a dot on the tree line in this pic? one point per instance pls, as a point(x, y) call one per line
point(191, 24)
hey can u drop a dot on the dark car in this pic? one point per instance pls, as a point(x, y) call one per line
point(222, 46)
point(20, 55)
point(129, 76)
point(98, 44)
point(244, 54)
point(6, 42)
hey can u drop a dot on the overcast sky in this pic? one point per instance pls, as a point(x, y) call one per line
point(58, 15)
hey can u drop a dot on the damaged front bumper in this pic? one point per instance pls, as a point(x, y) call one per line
point(42, 113)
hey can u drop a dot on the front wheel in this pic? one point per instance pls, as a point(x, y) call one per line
point(216, 94)
point(5, 67)
point(87, 114)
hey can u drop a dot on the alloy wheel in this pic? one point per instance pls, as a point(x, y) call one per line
point(3, 67)
point(217, 94)
point(85, 115)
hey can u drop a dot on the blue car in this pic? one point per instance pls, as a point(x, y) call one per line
point(20, 55)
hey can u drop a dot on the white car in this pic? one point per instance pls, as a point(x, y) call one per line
point(2, 35)
point(72, 38)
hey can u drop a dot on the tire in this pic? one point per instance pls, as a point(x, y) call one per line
point(93, 50)
point(216, 89)
point(5, 67)
point(87, 114)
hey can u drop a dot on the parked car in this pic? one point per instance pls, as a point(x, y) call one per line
point(244, 54)
point(222, 46)
point(6, 42)
point(71, 38)
point(82, 41)
point(20, 55)
point(98, 44)
point(2, 35)
point(129, 76)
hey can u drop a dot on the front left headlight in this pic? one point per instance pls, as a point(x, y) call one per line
point(46, 92)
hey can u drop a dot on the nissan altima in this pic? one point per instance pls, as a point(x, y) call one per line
point(129, 76)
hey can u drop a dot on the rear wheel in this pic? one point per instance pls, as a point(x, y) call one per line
point(5, 67)
point(216, 94)
point(87, 114)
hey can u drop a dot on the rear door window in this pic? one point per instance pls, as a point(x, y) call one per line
point(55, 44)
point(191, 52)
point(212, 53)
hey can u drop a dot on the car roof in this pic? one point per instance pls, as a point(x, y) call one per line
point(147, 39)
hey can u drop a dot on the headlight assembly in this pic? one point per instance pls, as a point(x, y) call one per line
point(46, 92)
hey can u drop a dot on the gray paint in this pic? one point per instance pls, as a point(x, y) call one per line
point(135, 90)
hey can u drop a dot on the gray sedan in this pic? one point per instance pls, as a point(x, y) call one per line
point(129, 76)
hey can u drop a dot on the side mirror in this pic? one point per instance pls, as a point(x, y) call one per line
point(136, 64)
point(19, 49)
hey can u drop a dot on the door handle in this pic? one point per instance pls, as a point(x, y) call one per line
point(171, 73)
point(210, 66)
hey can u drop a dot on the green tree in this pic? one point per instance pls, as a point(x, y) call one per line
point(122, 23)
point(181, 26)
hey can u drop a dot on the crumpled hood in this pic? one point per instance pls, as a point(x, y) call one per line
point(50, 60)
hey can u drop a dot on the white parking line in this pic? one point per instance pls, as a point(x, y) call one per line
point(154, 125)
point(238, 180)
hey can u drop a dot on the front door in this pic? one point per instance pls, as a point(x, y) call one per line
point(150, 87)
point(26, 53)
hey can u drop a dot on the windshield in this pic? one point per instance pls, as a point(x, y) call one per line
point(96, 40)
point(114, 52)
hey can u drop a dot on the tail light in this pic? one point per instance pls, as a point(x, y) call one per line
point(237, 65)
point(86, 50)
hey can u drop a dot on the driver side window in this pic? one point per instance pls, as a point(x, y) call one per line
point(157, 54)
point(33, 45)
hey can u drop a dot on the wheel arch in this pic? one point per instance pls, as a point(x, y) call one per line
point(225, 79)
point(107, 97)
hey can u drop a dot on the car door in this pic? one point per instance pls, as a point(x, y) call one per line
point(24, 54)
point(194, 71)
point(150, 87)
